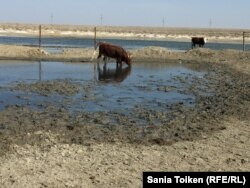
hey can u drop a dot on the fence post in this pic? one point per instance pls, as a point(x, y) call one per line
point(243, 41)
point(95, 38)
point(40, 35)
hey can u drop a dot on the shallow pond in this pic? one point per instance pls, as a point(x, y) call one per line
point(152, 85)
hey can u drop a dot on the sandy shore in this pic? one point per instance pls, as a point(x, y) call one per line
point(49, 148)
point(143, 33)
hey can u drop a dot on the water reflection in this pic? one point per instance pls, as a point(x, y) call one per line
point(40, 70)
point(151, 85)
point(117, 74)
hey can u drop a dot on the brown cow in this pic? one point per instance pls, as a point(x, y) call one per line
point(201, 41)
point(113, 51)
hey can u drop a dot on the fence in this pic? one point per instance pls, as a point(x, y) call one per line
point(245, 34)
point(40, 39)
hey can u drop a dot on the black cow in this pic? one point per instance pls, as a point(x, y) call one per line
point(201, 41)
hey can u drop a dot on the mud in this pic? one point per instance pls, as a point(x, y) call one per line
point(140, 125)
point(222, 95)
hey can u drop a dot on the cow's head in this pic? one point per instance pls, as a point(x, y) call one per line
point(129, 55)
point(205, 40)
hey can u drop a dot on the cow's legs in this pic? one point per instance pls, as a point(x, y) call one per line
point(193, 45)
point(118, 63)
point(99, 55)
point(104, 67)
point(104, 58)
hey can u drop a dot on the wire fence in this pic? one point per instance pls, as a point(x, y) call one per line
point(45, 41)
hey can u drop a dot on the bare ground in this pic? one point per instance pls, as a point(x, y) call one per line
point(50, 148)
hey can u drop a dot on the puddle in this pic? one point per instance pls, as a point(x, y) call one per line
point(85, 87)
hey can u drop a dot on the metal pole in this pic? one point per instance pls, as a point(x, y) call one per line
point(95, 50)
point(40, 35)
point(243, 41)
point(95, 38)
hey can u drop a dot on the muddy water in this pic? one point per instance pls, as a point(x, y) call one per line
point(84, 87)
point(150, 103)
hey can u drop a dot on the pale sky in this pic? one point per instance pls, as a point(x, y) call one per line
point(175, 13)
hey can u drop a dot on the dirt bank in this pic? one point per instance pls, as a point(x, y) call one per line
point(50, 147)
point(237, 59)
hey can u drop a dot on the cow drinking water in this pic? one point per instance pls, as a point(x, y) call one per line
point(112, 51)
point(201, 41)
